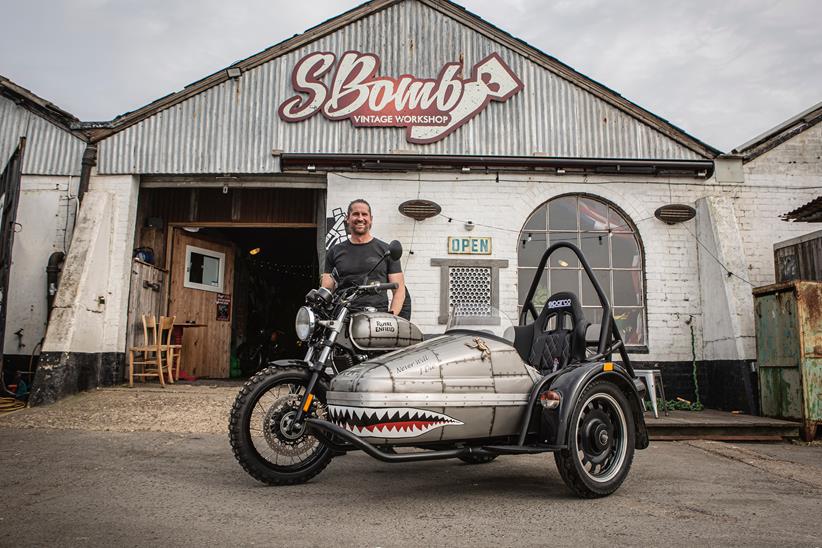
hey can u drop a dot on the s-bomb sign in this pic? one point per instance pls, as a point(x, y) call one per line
point(429, 109)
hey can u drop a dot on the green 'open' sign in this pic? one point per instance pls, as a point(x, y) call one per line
point(469, 245)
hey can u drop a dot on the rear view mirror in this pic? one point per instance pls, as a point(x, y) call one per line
point(395, 249)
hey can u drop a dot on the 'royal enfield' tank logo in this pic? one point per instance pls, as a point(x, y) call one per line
point(561, 303)
point(385, 326)
point(428, 109)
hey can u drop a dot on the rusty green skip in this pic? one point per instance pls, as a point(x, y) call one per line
point(789, 352)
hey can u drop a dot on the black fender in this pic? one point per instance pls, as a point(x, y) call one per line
point(572, 381)
point(299, 364)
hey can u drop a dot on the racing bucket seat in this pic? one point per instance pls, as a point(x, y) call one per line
point(557, 336)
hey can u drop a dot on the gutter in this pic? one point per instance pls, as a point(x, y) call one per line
point(412, 162)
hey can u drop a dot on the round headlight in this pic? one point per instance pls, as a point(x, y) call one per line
point(304, 323)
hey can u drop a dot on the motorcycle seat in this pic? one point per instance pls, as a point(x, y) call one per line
point(557, 336)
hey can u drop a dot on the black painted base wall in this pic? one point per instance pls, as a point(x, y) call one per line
point(727, 385)
point(61, 374)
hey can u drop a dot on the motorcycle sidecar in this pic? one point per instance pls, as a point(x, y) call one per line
point(476, 395)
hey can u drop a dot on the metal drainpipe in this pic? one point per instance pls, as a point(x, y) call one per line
point(89, 161)
point(52, 278)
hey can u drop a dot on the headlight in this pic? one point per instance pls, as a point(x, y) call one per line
point(304, 323)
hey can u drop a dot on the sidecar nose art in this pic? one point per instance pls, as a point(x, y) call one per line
point(388, 422)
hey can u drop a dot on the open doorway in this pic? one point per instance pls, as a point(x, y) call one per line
point(238, 289)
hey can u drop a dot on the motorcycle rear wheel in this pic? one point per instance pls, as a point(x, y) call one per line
point(258, 432)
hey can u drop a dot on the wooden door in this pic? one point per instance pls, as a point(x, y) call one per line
point(144, 298)
point(202, 279)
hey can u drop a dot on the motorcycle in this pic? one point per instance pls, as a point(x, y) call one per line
point(482, 389)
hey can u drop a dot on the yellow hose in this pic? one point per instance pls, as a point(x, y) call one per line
point(8, 405)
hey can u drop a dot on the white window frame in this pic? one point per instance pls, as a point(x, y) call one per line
point(208, 253)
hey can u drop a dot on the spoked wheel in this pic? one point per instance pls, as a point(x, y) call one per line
point(261, 428)
point(601, 442)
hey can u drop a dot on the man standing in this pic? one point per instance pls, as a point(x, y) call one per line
point(354, 257)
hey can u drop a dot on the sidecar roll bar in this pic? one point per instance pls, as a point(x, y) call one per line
point(608, 330)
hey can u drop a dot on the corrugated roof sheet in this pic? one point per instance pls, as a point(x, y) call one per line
point(51, 147)
point(222, 125)
point(808, 213)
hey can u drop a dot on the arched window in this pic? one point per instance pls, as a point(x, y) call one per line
point(611, 246)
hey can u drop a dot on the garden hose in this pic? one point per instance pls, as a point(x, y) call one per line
point(7, 405)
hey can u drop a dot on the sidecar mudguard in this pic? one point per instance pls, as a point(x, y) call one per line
point(570, 383)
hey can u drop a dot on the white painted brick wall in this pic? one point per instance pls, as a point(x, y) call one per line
point(124, 190)
point(671, 271)
point(44, 208)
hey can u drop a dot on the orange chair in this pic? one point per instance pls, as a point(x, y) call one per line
point(174, 350)
point(151, 355)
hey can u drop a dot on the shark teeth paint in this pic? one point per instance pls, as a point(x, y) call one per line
point(388, 422)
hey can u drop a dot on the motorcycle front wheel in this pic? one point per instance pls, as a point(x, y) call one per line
point(259, 428)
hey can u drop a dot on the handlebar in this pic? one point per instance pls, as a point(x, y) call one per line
point(379, 287)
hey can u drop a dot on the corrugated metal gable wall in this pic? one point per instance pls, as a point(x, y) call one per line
point(50, 150)
point(233, 127)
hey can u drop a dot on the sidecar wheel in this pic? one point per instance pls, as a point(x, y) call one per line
point(601, 441)
point(268, 452)
point(477, 459)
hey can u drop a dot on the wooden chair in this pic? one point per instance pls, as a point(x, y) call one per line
point(150, 355)
point(174, 350)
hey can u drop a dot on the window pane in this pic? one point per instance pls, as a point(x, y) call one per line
point(562, 214)
point(204, 270)
point(589, 296)
point(564, 280)
point(625, 251)
point(627, 288)
point(538, 220)
point(530, 252)
point(595, 249)
point(617, 222)
point(564, 257)
point(631, 325)
point(593, 215)
point(593, 315)
point(526, 277)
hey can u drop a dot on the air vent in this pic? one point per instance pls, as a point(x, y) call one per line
point(675, 213)
point(419, 210)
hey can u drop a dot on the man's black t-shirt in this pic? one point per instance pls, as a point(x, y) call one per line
point(353, 261)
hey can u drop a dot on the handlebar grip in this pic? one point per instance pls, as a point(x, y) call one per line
point(387, 286)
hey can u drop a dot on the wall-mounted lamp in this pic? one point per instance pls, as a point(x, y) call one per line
point(233, 72)
point(254, 251)
point(466, 169)
point(469, 225)
point(560, 171)
point(311, 167)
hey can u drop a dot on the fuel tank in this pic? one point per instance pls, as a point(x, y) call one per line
point(458, 386)
point(382, 331)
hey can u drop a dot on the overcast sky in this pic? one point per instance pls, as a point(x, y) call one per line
point(722, 70)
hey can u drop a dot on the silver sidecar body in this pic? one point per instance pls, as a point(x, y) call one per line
point(459, 386)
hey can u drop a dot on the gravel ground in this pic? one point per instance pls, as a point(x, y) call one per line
point(200, 407)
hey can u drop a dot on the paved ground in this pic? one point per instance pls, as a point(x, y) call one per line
point(100, 487)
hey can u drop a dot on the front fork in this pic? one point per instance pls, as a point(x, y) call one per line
point(317, 367)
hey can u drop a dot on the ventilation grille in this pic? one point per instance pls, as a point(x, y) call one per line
point(469, 290)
